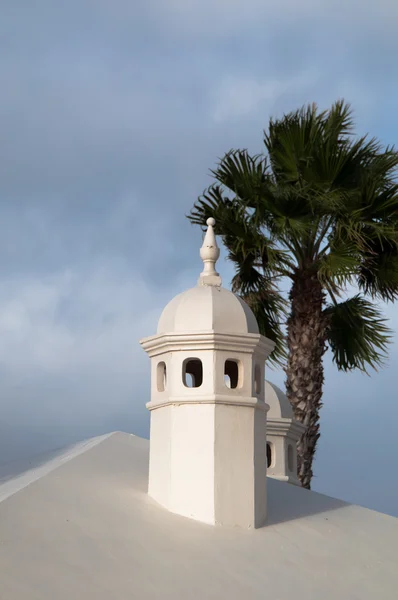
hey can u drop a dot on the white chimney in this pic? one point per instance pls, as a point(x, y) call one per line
point(208, 414)
point(283, 434)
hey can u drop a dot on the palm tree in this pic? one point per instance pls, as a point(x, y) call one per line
point(318, 211)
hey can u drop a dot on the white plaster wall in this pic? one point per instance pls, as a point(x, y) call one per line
point(246, 365)
point(258, 359)
point(289, 442)
point(240, 476)
point(160, 455)
point(207, 463)
point(177, 387)
point(279, 469)
point(155, 394)
point(260, 474)
point(192, 461)
point(278, 465)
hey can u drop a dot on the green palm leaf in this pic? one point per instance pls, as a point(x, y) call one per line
point(357, 334)
point(378, 272)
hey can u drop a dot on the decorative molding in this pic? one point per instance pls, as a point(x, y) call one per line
point(210, 399)
point(286, 479)
point(284, 426)
point(193, 341)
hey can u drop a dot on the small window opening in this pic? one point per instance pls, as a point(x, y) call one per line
point(231, 374)
point(257, 379)
point(161, 376)
point(269, 455)
point(290, 458)
point(192, 375)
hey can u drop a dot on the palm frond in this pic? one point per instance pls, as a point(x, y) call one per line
point(339, 122)
point(378, 272)
point(269, 308)
point(357, 335)
point(246, 176)
point(339, 266)
point(212, 203)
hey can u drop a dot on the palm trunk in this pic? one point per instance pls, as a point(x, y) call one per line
point(306, 334)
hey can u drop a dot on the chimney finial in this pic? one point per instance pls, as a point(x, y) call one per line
point(210, 253)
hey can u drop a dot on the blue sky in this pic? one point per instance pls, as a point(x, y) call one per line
point(112, 114)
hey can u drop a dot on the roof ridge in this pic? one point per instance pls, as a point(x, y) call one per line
point(19, 482)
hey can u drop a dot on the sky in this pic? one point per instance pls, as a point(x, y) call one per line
point(111, 116)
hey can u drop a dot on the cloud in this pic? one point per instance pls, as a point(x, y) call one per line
point(237, 97)
point(71, 320)
point(84, 324)
point(70, 362)
point(218, 18)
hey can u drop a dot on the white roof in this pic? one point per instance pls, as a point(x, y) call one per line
point(87, 529)
point(279, 405)
point(207, 308)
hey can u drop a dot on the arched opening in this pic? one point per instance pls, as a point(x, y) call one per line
point(269, 455)
point(257, 380)
point(161, 376)
point(192, 373)
point(290, 458)
point(232, 374)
